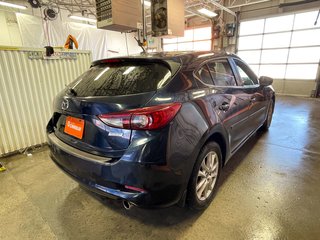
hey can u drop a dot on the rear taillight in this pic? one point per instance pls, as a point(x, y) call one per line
point(147, 118)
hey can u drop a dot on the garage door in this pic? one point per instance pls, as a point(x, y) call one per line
point(285, 47)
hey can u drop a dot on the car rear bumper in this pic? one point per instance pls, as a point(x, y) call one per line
point(161, 185)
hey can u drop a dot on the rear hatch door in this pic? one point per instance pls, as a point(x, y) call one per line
point(107, 87)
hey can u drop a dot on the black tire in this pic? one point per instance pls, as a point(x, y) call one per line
point(267, 122)
point(193, 200)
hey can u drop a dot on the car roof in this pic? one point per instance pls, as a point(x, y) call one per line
point(186, 54)
point(186, 58)
point(190, 59)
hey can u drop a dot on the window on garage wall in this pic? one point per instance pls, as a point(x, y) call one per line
point(282, 47)
point(198, 39)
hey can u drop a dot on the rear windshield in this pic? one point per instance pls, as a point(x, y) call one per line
point(121, 79)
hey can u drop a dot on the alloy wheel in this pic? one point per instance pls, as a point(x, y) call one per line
point(207, 176)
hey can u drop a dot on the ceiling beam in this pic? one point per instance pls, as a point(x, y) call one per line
point(248, 4)
point(222, 7)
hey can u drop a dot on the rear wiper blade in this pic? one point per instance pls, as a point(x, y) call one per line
point(72, 91)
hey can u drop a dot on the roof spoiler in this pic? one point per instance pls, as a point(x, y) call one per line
point(167, 63)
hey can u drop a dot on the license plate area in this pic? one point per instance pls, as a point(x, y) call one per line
point(74, 127)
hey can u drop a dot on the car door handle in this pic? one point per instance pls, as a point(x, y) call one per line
point(224, 106)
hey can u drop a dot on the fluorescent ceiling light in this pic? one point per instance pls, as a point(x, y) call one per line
point(100, 74)
point(147, 3)
point(129, 70)
point(6, 4)
point(83, 18)
point(207, 12)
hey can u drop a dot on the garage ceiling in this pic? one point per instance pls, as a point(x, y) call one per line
point(191, 5)
point(74, 6)
point(87, 7)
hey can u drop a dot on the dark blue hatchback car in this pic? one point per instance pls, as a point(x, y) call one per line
point(156, 130)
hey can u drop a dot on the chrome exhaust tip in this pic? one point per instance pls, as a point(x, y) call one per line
point(127, 205)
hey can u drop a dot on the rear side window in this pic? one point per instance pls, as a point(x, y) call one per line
point(121, 79)
point(203, 76)
point(221, 73)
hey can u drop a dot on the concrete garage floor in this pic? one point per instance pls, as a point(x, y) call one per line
point(270, 190)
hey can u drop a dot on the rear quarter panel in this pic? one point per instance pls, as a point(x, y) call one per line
point(188, 132)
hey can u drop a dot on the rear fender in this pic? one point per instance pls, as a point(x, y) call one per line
point(188, 133)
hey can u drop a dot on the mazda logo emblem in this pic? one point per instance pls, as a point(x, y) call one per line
point(65, 104)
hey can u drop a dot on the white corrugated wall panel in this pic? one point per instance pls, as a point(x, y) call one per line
point(27, 88)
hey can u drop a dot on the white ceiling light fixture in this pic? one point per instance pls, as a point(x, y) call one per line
point(207, 12)
point(129, 70)
point(100, 74)
point(83, 18)
point(147, 3)
point(6, 4)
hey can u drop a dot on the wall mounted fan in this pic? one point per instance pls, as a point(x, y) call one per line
point(50, 14)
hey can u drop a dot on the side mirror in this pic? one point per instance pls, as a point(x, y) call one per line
point(265, 81)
